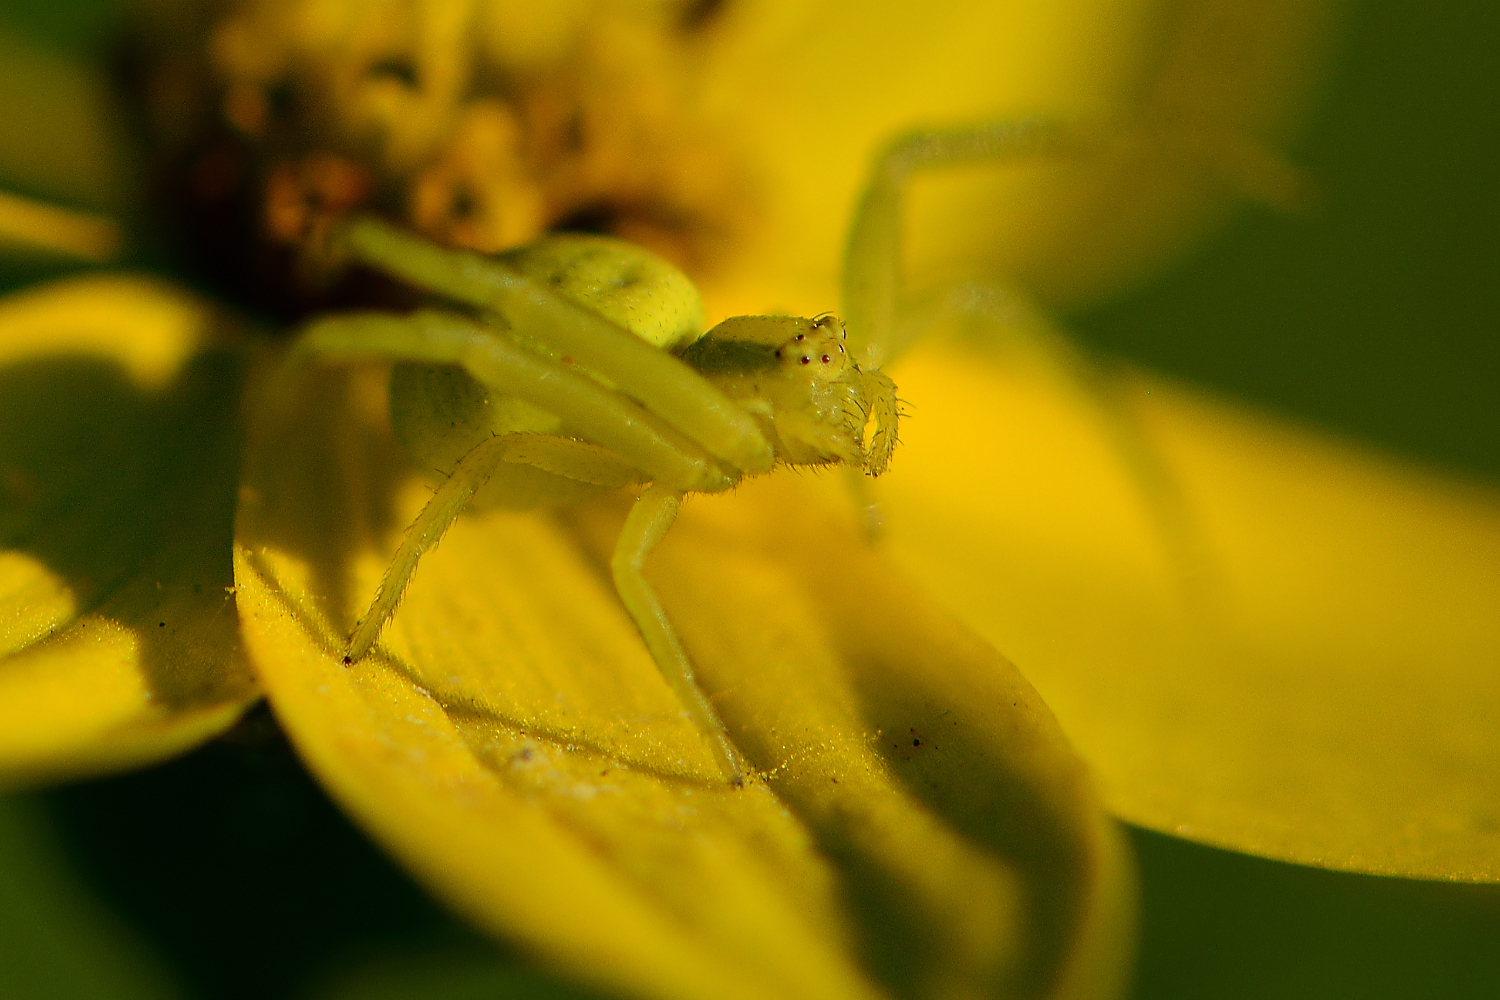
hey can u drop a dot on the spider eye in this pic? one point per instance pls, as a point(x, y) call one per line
point(806, 360)
point(826, 359)
point(801, 335)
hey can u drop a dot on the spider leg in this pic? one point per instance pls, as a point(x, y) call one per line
point(872, 279)
point(867, 511)
point(885, 411)
point(625, 445)
point(872, 258)
point(882, 322)
point(588, 408)
point(1004, 311)
point(647, 522)
point(574, 459)
point(660, 382)
point(872, 286)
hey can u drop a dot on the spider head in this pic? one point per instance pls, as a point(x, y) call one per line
point(795, 376)
point(815, 350)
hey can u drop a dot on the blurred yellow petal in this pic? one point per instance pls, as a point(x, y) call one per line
point(1333, 700)
point(32, 227)
point(61, 134)
point(1202, 93)
point(919, 828)
point(118, 442)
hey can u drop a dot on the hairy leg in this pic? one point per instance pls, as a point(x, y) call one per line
point(648, 521)
point(574, 459)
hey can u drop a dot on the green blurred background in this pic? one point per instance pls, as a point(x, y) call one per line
point(228, 874)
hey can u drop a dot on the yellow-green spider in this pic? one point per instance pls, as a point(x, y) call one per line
point(577, 364)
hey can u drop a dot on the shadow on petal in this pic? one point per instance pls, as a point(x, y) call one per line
point(511, 741)
point(1336, 705)
point(118, 636)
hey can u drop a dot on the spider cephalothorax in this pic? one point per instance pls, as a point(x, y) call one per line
point(810, 399)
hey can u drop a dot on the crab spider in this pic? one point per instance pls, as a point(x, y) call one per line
point(576, 365)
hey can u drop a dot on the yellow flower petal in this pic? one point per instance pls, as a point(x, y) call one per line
point(1333, 699)
point(117, 455)
point(32, 227)
point(1201, 93)
point(60, 130)
point(919, 828)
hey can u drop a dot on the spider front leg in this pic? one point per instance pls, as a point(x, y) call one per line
point(566, 329)
point(872, 285)
point(872, 279)
point(589, 409)
point(882, 325)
